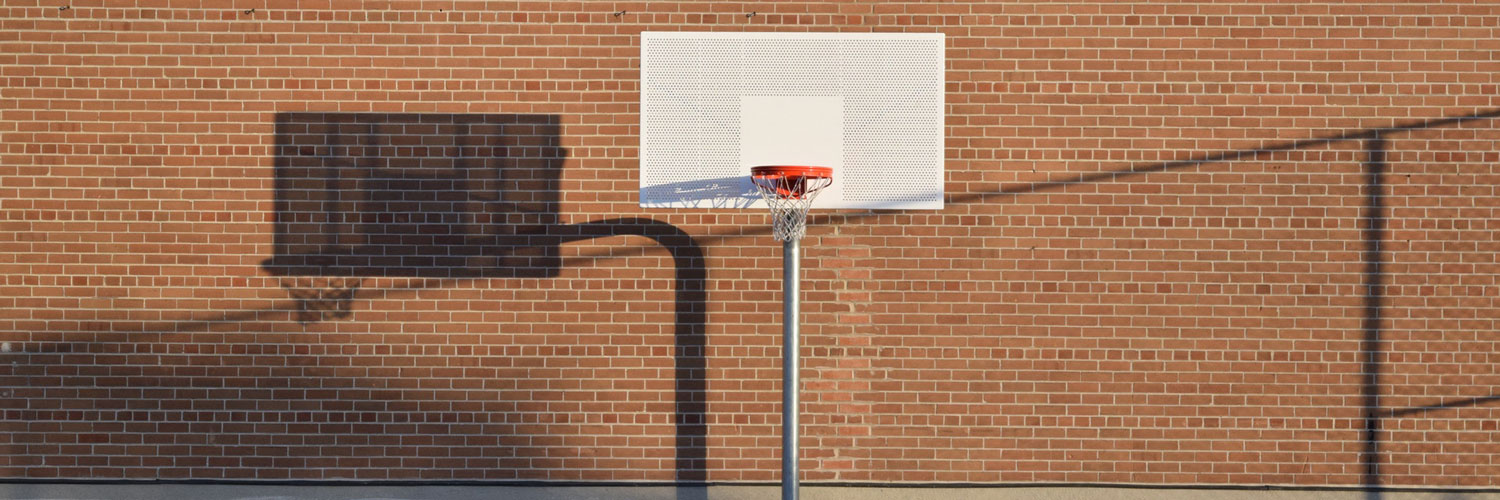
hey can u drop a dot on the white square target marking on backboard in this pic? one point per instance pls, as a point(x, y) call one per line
point(869, 105)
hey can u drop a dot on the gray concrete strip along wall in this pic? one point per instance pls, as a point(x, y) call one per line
point(42, 491)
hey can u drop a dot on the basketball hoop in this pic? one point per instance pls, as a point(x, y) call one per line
point(789, 191)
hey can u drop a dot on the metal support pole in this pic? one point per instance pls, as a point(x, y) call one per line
point(791, 276)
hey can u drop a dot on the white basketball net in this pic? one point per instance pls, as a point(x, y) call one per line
point(789, 198)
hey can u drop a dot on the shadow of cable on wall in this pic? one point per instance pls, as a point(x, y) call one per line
point(1374, 217)
point(449, 197)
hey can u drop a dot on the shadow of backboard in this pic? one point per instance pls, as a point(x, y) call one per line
point(415, 195)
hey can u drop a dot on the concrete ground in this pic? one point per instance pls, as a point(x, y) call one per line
point(156, 491)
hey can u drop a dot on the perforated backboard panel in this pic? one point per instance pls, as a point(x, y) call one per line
point(870, 105)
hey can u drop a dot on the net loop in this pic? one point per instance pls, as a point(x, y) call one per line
point(322, 298)
point(790, 191)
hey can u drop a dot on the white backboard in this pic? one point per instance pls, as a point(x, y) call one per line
point(869, 105)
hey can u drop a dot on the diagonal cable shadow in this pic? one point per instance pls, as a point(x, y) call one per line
point(1446, 405)
point(1221, 157)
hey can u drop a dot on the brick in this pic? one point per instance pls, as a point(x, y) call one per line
point(1155, 266)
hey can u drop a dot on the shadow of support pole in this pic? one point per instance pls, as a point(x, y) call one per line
point(1370, 349)
point(690, 342)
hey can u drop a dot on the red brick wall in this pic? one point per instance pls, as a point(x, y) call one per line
point(1238, 243)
